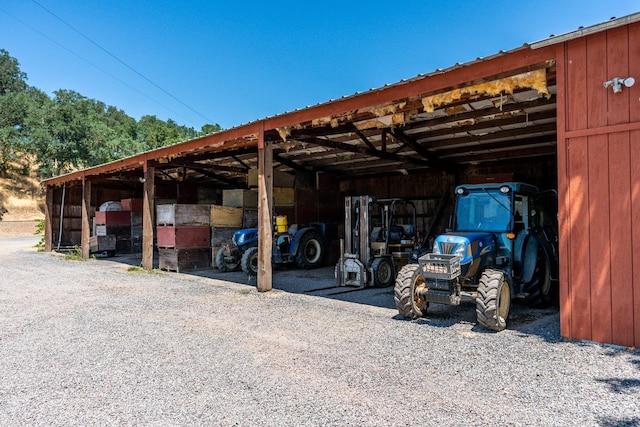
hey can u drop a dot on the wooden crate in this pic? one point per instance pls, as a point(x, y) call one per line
point(182, 214)
point(240, 198)
point(225, 216)
point(113, 218)
point(102, 243)
point(284, 196)
point(133, 205)
point(250, 218)
point(120, 231)
point(280, 179)
point(178, 260)
point(221, 235)
point(183, 236)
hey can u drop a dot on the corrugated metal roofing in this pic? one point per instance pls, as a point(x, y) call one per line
point(483, 112)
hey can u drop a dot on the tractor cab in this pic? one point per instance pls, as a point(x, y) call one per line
point(503, 245)
point(491, 225)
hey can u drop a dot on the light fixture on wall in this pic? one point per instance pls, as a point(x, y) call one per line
point(617, 82)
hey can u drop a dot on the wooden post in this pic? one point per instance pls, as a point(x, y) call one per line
point(86, 226)
point(265, 203)
point(48, 218)
point(148, 216)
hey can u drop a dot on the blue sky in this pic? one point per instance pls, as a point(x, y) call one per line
point(235, 62)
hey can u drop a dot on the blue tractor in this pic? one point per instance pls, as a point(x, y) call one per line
point(503, 246)
point(303, 247)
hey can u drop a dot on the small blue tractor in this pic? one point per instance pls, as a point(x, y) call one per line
point(503, 246)
point(303, 246)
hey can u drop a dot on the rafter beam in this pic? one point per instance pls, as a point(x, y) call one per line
point(364, 139)
point(365, 150)
point(209, 174)
point(549, 128)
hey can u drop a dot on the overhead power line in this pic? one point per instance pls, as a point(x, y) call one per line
point(92, 64)
point(122, 62)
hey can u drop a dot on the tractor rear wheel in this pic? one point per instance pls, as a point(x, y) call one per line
point(541, 291)
point(249, 261)
point(408, 290)
point(382, 272)
point(223, 261)
point(310, 252)
point(493, 301)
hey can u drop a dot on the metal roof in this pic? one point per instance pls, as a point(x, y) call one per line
point(493, 109)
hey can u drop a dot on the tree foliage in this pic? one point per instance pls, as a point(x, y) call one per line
point(69, 131)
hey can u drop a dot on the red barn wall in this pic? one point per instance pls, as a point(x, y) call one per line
point(599, 187)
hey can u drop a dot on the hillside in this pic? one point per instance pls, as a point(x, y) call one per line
point(21, 202)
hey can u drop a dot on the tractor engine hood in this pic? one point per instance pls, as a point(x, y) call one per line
point(244, 236)
point(467, 245)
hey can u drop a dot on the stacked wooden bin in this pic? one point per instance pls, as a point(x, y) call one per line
point(113, 232)
point(118, 230)
point(239, 210)
point(183, 237)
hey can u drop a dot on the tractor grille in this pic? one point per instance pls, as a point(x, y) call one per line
point(447, 247)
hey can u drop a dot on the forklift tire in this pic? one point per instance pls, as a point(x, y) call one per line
point(382, 272)
point(249, 261)
point(224, 265)
point(493, 301)
point(541, 291)
point(408, 302)
point(310, 251)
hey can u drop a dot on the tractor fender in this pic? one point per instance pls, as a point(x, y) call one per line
point(530, 256)
point(295, 240)
point(529, 259)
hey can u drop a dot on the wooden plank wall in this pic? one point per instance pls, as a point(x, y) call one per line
point(599, 187)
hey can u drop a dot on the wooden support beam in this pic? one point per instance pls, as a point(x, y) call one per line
point(193, 165)
point(148, 217)
point(239, 160)
point(366, 150)
point(364, 139)
point(265, 204)
point(419, 149)
point(288, 162)
point(231, 182)
point(48, 218)
point(86, 224)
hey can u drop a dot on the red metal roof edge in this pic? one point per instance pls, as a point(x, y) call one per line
point(585, 31)
point(423, 83)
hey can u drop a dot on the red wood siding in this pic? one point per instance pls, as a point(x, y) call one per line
point(599, 187)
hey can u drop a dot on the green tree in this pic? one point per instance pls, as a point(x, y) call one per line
point(71, 131)
point(209, 128)
point(12, 79)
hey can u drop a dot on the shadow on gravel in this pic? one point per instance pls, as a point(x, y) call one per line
point(612, 422)
point(527, 321)
point(624, 385)
point(321, 283)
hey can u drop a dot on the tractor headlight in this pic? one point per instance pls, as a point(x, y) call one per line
point(436, 248)
point(460, 250)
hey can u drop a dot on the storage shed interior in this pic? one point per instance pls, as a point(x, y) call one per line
point(417, 148)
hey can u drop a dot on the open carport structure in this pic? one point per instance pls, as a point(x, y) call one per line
point(551, 113)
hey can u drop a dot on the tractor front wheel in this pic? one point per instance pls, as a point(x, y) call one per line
point(493, 301)
point(225, 261)
point(408, 290)
point(249, 261)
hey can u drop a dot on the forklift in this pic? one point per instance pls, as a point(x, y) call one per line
point(375, 244)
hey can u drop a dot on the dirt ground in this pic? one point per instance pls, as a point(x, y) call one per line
point(17, 228)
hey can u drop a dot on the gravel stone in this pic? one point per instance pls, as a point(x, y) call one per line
point(91, 343)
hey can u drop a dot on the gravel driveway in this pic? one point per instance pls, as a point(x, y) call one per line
point(90, 343)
